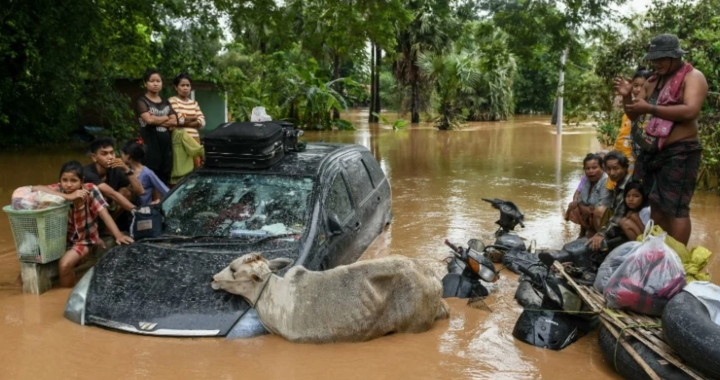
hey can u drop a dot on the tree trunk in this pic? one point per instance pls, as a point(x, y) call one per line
point(415, 101)
point(336, 75)
point(378, 63)
point(371, 117)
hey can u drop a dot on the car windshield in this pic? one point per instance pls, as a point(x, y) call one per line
point(237, 205)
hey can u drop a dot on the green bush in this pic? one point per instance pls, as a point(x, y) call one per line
point(608, 127)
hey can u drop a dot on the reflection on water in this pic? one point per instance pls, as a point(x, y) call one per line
point(438, 180)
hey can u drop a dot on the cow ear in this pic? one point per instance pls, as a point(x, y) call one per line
point(279, 264)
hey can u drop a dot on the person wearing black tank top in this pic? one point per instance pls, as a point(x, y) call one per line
point(669, 151)
point(157, 119)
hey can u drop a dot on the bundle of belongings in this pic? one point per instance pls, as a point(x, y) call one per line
point(709, 295)
point(25, 199)
point(643, 276)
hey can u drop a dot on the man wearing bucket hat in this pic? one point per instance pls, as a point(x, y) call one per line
point(669, 159)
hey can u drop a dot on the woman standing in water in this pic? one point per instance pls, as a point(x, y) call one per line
point(157, 119)
point(190, 117)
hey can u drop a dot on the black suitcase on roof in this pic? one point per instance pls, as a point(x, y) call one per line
point(244, 145)
point(290, 136)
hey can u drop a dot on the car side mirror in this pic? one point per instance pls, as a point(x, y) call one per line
point(334, 225)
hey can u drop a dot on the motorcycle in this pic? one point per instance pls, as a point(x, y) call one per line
point(468, 266)
point(465, 270)
point(555, 324)
point(505, 237)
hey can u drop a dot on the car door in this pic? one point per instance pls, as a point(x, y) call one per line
point(340, 221)
point(369, 214)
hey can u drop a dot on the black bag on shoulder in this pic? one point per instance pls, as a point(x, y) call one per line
point(648, 144)
point(147, 222)
point(244, 145)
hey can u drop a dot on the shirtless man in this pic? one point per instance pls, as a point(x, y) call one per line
point(668, 174)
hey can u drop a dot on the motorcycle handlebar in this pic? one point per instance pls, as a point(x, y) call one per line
point(526, 270)
point(452, 246)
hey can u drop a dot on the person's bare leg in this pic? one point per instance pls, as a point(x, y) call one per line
point(66, 268)
point(659, 218)
point(680, 229)
point(629, 228)
point(636, 226)
point(598, 217)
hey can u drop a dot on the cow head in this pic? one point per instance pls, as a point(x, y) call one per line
point(246, 274)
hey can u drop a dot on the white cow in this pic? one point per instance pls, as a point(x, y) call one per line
point(356, 302)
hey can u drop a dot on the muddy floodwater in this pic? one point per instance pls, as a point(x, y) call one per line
point(438, 180)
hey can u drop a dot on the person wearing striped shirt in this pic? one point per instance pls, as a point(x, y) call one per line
point(190, 117)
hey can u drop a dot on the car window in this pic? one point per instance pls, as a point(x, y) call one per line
point(360, 184)
point(376, 173)
point(235, 204)
point(338, 202)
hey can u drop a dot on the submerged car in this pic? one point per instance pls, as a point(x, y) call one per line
point(321, 207)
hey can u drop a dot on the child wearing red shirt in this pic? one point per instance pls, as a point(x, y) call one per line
point(87, 205)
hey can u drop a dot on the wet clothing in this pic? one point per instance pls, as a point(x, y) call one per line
point(150, 182)
point(185, 149)
point(114, 178)
point(156, 138)
point(82, 228)
point(669, 176)
point(615, 201)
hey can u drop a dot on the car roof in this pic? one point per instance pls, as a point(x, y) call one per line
point(308, 162)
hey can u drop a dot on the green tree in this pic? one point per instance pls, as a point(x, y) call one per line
point(431, 31)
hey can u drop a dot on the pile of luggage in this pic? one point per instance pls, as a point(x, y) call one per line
point(251, 145)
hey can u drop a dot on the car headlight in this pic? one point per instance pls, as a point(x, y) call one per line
point(248, 326)
point(75, 306)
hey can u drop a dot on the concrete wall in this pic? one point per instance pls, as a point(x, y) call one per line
point(213, 107)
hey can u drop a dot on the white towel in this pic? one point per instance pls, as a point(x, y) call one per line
point(709, 295)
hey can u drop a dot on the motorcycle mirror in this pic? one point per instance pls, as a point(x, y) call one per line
point(553, 295)
point(547, 259)
point(481, 265)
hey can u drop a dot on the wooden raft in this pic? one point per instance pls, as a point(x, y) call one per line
point(645, 329)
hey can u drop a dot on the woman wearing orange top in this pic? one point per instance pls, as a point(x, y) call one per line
point(190, 117)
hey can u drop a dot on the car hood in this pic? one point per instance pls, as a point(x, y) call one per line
point(164, 290)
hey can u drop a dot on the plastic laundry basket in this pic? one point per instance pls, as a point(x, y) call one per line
point(40, 235)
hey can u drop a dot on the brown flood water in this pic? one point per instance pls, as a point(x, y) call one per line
point(438, 180)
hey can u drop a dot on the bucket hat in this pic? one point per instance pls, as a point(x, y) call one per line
point(664, 46)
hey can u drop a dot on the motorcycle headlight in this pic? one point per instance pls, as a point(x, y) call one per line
point(75, 306)
point(248, 326)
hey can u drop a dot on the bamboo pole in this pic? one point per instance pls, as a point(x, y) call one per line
point(653, 341)
point(631, 351)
